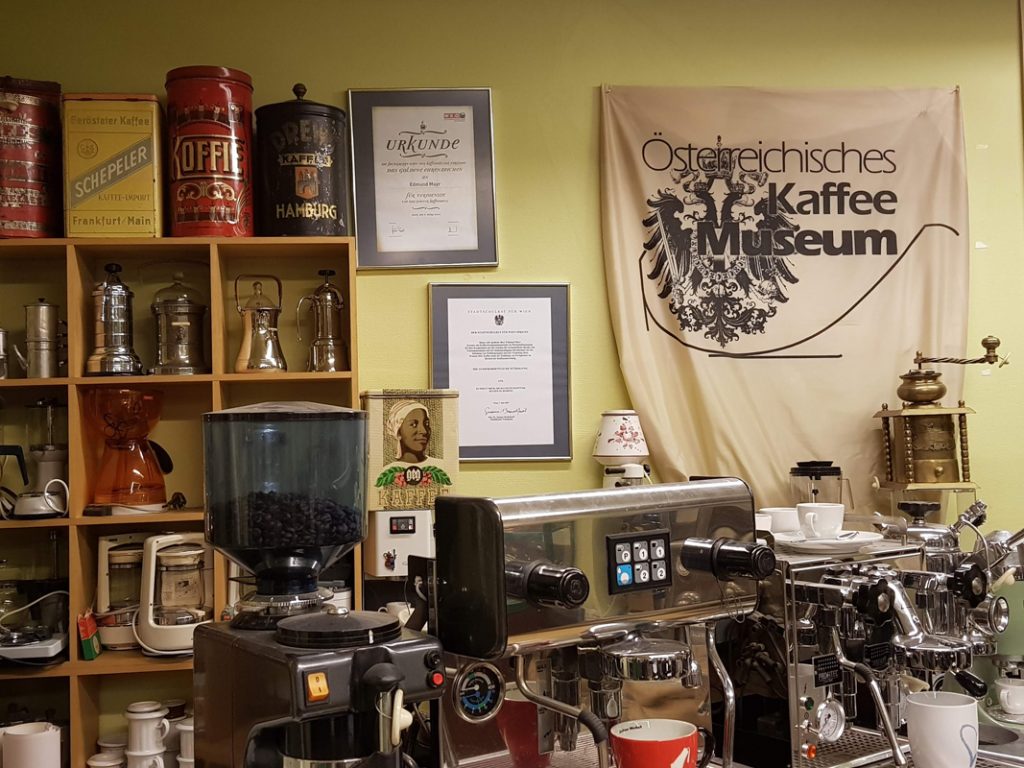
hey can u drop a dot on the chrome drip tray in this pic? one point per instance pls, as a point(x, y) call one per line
point(867, 748)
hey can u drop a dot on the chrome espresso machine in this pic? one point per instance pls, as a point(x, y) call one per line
point(293, 682)
point(562, 613)
point(824, 665)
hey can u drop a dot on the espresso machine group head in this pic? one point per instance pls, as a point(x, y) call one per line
point(293, 682)
point(580, 603)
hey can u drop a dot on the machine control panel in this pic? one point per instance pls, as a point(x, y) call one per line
point(638, 560)
point(403, 525)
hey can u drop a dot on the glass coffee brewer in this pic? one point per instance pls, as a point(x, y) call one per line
point(292, 681)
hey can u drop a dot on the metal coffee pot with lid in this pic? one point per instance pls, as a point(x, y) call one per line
point(327, 349)
point(260, 350)
point(45, 342)
point(179, 311)
point(113, 353)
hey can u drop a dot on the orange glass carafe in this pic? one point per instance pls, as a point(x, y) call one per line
point(129, 473)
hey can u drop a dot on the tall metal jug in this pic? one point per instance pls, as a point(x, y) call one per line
point(261, 347)
point(328, 351)
point(113, 329)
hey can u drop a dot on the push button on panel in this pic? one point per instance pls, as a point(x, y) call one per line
point(624, 575)
point(316, 687)
point(622, 553)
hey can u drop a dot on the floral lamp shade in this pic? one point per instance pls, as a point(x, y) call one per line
point(620, 439)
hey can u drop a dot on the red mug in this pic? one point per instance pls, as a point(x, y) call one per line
point(660, 744)
point(517, 721)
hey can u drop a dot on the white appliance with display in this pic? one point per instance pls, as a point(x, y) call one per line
point(118, 587)
point(394, 535)
point(177, 591)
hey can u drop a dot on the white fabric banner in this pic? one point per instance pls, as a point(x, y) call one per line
point(774, 261)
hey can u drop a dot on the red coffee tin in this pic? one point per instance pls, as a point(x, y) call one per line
point(209, 116)
point(31, 195)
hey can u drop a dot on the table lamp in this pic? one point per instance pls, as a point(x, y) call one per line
point(622, 449)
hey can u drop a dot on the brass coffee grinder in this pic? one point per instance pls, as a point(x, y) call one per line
point(925, 443)
point(328, 351)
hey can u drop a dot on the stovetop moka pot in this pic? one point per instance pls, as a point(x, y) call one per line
point(327, 350)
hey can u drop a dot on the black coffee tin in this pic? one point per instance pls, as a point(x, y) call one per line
point(302, 168)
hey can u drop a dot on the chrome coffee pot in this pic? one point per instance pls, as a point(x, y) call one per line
point(113, 330)
point(328, 350)
point(261, 347)
point(45, 341)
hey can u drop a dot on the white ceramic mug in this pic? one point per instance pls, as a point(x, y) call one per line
point(943, 729)
point(106, 760)
point(784, 519)
point(820, 520)
point(762, 522)
point(32, 745)
point(147, 728)
point(1011, 695)
point(186, 735)
point(145, 760)
point(401, 611)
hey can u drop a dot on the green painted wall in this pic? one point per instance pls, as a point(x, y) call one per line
point(545, 62)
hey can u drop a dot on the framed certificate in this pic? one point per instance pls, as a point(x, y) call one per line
point(505, 348)
point(423, 167)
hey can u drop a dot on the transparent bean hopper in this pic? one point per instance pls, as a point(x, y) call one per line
point(285, 487)
point(290, 681)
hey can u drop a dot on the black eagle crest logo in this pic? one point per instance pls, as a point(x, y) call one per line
point(722, 295)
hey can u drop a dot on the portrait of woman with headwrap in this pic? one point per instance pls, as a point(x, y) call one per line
point(408, 422)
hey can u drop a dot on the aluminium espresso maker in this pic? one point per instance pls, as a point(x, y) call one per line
point(293, 682)
point(595, 606)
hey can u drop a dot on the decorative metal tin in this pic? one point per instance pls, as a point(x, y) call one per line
point(209, 116)
point(30, 158)
point(302, 168)
point(113, 165)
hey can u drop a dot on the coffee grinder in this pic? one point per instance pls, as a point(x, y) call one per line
point(927, 455)
point(48, 446)
point(291, 682)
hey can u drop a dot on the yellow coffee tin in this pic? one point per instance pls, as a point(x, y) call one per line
point(113, 171)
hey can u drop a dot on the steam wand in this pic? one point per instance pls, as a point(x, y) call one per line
point(585, 717)
point(864, 673)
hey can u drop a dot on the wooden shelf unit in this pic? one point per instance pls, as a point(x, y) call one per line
point(65, 272)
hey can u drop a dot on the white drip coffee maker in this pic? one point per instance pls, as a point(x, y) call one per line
point(177, 592)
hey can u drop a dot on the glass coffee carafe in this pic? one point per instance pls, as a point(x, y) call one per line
point(180, 589)
point(129, 472)
point(816, 481)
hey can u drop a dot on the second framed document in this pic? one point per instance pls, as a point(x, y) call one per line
point(505, 348)
point(423, 166)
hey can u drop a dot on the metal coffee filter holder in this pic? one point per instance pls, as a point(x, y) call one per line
point(45, 342)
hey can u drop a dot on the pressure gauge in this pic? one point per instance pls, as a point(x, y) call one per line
point(830, 721)
point(479, 689)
